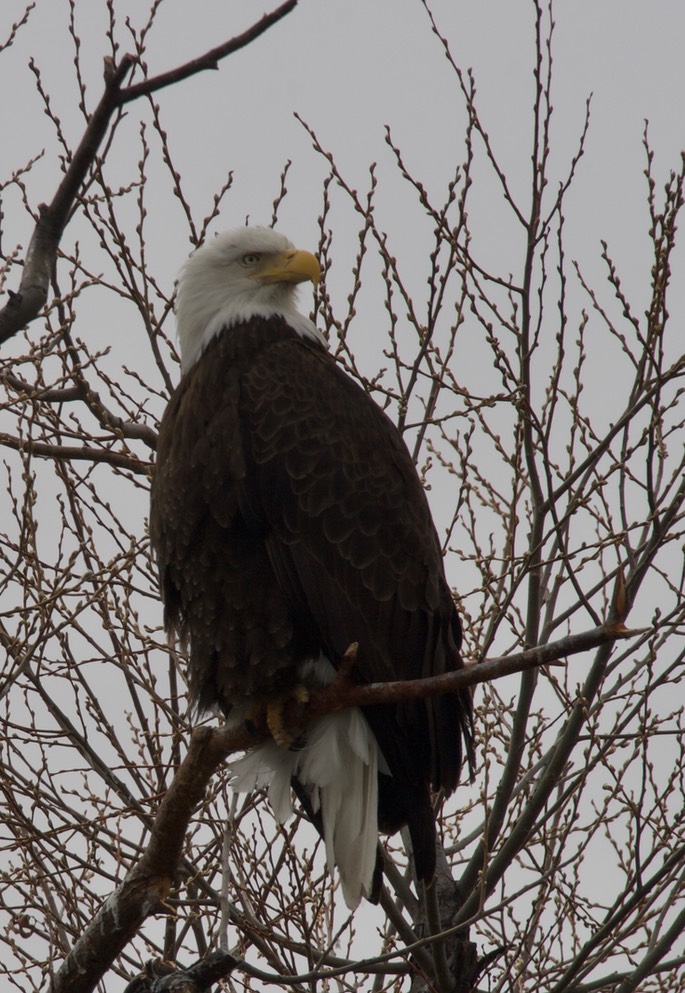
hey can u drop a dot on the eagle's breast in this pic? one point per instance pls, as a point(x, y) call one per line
point(211, 531)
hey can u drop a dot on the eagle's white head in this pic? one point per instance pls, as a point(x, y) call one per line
point(248, 272)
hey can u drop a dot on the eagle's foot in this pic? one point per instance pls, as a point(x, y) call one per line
point(283, 713)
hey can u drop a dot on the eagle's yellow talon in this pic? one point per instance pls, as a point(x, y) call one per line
point(282, 730)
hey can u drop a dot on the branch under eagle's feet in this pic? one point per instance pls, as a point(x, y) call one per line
point(335, 695)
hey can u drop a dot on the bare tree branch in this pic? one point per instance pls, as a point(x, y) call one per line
point(25, 304)
point(210, 59)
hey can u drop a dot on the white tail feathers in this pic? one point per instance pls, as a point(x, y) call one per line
point(338, 767)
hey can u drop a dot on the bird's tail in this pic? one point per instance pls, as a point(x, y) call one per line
point(336, 767)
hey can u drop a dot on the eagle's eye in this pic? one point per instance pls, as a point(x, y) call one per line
point(250, 259)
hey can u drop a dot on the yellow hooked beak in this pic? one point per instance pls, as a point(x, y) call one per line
point(291, 266)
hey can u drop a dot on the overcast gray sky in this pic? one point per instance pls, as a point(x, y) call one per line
point(349, 68)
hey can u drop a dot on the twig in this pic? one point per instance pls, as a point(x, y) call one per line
point(75, 453)
point(210, 60)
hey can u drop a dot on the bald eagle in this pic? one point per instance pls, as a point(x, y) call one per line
point(289, 522)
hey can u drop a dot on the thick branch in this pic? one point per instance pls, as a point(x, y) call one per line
point(344, 694)
point(148, 883)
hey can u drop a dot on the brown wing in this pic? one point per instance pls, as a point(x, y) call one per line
point(350, 537)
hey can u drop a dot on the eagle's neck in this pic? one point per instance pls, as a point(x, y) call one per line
point(199, 319)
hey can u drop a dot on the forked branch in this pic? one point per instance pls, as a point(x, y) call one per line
point(25, 304)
